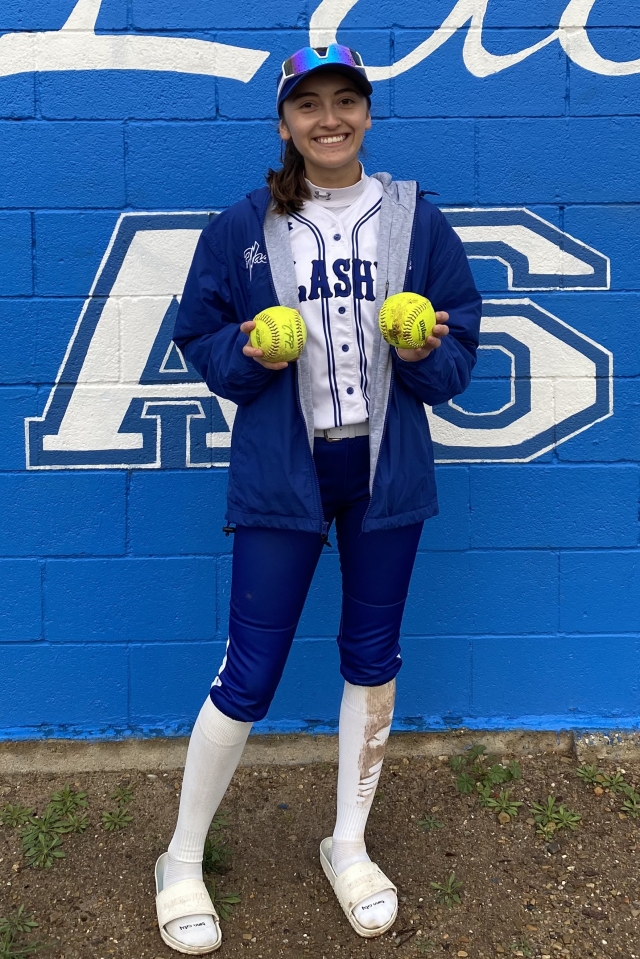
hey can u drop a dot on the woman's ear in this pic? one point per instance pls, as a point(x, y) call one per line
point(283, 130)
point(367, 122)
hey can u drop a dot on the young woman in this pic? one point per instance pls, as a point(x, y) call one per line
point(341, 435)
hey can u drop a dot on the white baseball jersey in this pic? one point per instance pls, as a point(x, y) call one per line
point(334, 239)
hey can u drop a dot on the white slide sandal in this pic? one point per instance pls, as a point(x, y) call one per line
point(186, 898)
point(356, 883)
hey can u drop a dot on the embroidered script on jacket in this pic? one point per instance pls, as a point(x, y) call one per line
point(252, 256)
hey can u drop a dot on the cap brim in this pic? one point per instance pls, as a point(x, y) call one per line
point(360, 81)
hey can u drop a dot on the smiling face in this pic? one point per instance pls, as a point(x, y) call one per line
point(326, 117)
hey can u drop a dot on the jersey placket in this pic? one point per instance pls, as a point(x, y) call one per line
point(342, 319)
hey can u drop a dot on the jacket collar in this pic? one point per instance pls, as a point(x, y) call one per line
point(260, 200)
point(401, 192)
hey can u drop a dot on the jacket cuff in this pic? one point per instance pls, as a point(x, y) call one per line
point(245, 365)
point(418, 364)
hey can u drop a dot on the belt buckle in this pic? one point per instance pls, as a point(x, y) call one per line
point(331, 439)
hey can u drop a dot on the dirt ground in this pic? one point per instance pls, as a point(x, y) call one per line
point(521, 895)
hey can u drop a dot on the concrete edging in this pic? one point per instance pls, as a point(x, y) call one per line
point(73, 756)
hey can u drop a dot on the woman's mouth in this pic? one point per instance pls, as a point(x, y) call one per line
point(337, 138)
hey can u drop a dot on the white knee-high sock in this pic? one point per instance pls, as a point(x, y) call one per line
point(366, 713)
point(215, 748)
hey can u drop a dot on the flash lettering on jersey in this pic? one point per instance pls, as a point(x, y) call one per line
point(362, 278)
point(341, 270)
point(319, 285)
point(361, 282)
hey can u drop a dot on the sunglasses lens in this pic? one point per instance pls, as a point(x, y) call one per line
point(309, 58)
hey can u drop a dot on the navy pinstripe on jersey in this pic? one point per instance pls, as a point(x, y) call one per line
point(335, 257)
point(326, 324)
point(357, 303)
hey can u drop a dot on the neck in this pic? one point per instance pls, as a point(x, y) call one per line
point(333, 179)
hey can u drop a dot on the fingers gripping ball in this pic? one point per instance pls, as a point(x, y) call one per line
point(280, 333)
point(406, 320)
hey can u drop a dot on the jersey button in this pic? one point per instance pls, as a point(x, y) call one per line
point(349, 390)
point(345, 348)
point(337, 236)
point(342, 309)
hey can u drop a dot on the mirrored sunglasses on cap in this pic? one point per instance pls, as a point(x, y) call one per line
point(299, 64)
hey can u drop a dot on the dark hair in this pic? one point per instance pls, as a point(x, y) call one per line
point(288, 186)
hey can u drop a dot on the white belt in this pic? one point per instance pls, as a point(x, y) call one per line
point(344, 432)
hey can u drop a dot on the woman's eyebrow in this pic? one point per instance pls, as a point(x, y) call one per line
point(312, 93)
point(299, 96)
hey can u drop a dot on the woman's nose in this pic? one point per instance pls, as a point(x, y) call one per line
point(329, 119)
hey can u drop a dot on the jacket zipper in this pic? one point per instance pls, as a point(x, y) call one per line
point(323, 526)
point(386, 291)
point(413, 233)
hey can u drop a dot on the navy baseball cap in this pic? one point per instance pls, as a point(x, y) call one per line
point(334, 57)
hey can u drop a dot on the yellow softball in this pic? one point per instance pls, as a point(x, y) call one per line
point(280, 333)
point(406, 320)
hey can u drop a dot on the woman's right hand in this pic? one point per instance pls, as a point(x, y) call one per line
point(254, 352)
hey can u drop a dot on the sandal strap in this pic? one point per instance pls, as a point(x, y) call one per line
point(186, 898)
point(358, 882)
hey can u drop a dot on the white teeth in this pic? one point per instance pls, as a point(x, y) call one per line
point(338, 139)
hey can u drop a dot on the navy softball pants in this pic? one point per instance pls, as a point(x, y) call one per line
point(271, 574)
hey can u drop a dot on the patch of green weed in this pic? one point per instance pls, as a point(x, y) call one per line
point(123, 795)
point(78, 821)
point(116, 820)
point(631, 805)
point(66, 801)
point(41, 842)
point(478, 771)
point(550, 817)
point(15, 816)
point(521, 945)
point(223, 902)
point(447, 892)
point(12, 930)
point(429, 823)
point(217, 855)
point(503, 803)
point(423, 946)
point(615, 783)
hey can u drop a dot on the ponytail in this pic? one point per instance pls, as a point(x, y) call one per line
point(288, 186)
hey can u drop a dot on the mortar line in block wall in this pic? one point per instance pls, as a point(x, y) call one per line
point(125, 172)
point(476, 162)
point(128, 661)
point(34, 261)
point(529, 203)
point(268, 121)
point(127, 524)
point(559, 592)
point(132, 556)
point(43, 573)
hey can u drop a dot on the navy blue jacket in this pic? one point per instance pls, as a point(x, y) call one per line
point(272, 479)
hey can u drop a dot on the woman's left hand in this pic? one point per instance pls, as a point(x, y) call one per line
point(433, 342)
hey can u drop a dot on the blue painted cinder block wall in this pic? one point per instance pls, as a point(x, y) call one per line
point(124, 124)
